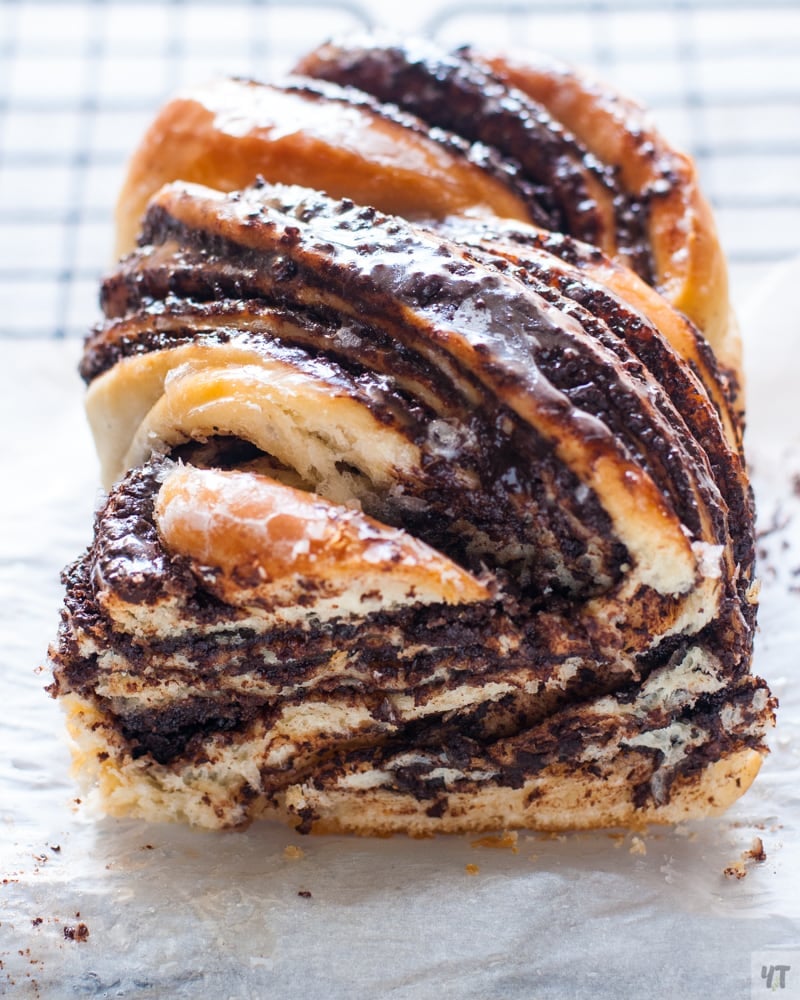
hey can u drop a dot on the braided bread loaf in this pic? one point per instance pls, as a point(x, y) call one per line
point(414, 527)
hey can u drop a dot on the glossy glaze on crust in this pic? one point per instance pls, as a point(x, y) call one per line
point(609, 177)
point(435, 136)
point(451, 91)
point(309, 132)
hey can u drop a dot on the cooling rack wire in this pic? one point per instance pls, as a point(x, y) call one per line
point(79, 82)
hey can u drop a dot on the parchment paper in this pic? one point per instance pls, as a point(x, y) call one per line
point(98, 907)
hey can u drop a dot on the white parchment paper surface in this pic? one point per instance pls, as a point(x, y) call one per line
point(97, 907)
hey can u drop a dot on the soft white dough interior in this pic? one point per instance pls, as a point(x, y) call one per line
point(151, 403)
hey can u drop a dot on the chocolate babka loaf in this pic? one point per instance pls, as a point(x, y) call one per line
point(418, 525)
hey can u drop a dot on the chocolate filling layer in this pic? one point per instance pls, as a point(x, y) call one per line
point(459, 93)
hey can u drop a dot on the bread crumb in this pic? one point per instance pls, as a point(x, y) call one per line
point(508, 839)
point(617, 839)
point(638, 846)
point(756, 852)
point(737, 870)
point(293, 853)
point(471, 869)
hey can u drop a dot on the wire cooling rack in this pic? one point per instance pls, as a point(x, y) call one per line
point(79, 82)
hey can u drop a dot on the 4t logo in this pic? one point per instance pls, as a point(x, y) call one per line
point(775, 972)
point(775, 976)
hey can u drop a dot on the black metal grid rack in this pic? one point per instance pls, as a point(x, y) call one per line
point(80, 80)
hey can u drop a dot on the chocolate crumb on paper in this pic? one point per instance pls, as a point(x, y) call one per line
point(78, 933)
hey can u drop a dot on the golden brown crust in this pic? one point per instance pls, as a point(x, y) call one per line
point(654, 536)
point(228, 133)
point(267, 542)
